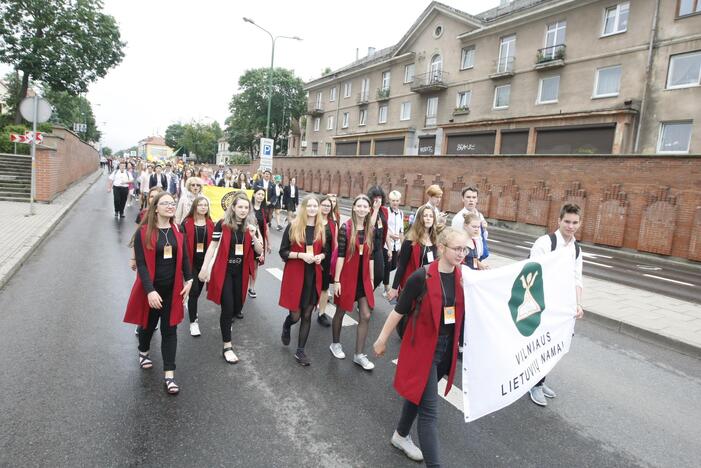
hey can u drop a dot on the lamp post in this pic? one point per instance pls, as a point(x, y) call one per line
point(270, 73)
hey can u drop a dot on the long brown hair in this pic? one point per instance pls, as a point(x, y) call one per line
point(366, 224)
point(418, 230)
point(151, 220)
point(193, 208)
point(335, 213)
point(299, 224)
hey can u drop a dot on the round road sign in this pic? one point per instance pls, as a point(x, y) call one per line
point(26, 108)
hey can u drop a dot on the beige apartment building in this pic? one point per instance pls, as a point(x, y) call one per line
point(528, 77)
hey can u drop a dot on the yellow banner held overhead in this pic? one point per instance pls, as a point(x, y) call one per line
point(220, 198)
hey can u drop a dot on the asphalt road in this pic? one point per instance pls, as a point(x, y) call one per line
point(73, 395)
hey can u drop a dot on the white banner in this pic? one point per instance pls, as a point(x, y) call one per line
point(519, 323)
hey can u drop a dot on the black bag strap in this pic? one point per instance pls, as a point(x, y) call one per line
point(417, 303)
point(553, 244)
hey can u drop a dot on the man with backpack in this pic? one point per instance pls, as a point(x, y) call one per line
point(568, 225)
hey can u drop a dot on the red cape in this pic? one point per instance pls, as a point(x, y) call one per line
point(293, 277)
point(349, 274)
point(412, 265)
point(221, 263)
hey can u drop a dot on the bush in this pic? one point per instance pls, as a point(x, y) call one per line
point(8, 147)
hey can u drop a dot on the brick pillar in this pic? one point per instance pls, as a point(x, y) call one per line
point(532, 135)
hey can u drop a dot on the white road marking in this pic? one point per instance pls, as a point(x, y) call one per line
point(528, 242)
point(649, 267)
point(454, 396)
point(594, 256)
point(494, 240)
point(597, 264)
point(522, 247)
point(667, 279)
point(348, 321)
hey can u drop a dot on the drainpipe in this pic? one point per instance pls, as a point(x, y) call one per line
point(648, 67)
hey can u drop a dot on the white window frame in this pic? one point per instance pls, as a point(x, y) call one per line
point(380, 120)
point(362, 117)
point(409, 72)
point(432, 117)
point(386, 79)
point(332, 94)
point(596, 83)
point(552, 30)
point(661, 132)
point(695, 7)
point(458, 101)
point(405, 111)
point(365, 89)
point(328, 149)
point(347, 89)
point(670, 70)
point(617, 18)
point(317, 123)
point(496, 92)
point(540, 90)
point(346, 120)
point(330, 122)
point(507, 50)
point(464, 54)
point(319, 98)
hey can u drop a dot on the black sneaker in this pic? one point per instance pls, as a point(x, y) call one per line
point(285, 335)
point(239, 315)
point(302, 358)
point(323, 320)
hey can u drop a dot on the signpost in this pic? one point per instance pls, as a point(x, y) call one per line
point(266, 153)
point(35, 110)
point(80, 128)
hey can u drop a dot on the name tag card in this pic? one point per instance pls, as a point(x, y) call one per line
point(429, 256)
point(360, 249)
point(379, 223)
point(200, 247)
point(168, 252)
point(310, 249)
point(449, 315)
point(239, 249)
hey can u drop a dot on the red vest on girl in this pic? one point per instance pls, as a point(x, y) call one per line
point(189, 224)
point(413, 264)
point(221, 263)
point(349, 273)
point(293, 276)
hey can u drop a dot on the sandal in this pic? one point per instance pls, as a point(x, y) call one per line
point(144, 361)
point(171, 387)
point(233, 361)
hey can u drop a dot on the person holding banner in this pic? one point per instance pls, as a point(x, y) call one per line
point(331, 229)
point(258, 198)
point(418, 248)
point(304, 246)
point(199, 228)
point(433, 299)
point(568, 225)
point(228, 264)
point(353, 279)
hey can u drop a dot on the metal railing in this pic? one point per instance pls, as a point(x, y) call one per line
point(382, 93)
point(547, 54)
point(432, 78)
point(363, 97)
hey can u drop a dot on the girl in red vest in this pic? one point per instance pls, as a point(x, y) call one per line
point(353, 279)
point(418, 248)
point(303, 248)
point(434, 301)
point(331, 230)
point(159, 291)
point(259, 214)
point(379, 218)
point(199, 228)
point(236, 241)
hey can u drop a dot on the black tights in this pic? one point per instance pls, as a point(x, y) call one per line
point(195, 292)
point(231, 302)
point(365, 312)
point(306, 316)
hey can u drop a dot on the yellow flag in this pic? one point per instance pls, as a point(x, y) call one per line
point(220, 198)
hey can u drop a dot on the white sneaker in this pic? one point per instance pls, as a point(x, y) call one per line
point(337, 351)
point(406, 445)
point(195, 329)
point(548, 392)
point(363, 361)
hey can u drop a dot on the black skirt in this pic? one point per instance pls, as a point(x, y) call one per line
point(309, 296)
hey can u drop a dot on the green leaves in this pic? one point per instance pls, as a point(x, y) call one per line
point(195, 138)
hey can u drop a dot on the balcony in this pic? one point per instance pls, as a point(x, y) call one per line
point(461, 111)
point(383, 94)
point(363, 98)
point(550, 57)
point(430, 82)
point(315, 110)
point(504, 68)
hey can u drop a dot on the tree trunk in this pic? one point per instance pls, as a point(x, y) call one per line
point(22, 94)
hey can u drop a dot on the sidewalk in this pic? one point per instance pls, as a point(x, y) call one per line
point(21, 234)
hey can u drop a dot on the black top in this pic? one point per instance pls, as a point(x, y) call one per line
point(286, 244)
point(343, 239)
point(200, 236)
point(405, 254)
point(379, 234)
point(260, 217)
point(415, 286)
point(165, 267)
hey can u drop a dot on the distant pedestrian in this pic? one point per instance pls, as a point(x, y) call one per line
point(118, 184)
point(193, 188)
point(227, 180)
point(269, 187)
point(279, 198)
point(472, 226)
point(158, 179)
point(291, 196)
point(395, 236)
point(259, 214)
point(241, 182)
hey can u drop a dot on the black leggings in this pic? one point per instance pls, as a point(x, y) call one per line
point(120, 195)
point(195, 292)
point(306, 316)
point(231, 301)
point(169, 334)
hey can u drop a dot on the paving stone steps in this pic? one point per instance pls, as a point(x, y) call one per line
point(15, 178)
point(12, 198)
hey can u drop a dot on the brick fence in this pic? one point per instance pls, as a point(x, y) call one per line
point(648, 203)
point(61, 160)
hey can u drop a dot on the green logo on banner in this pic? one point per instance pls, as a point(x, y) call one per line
point(527, 299)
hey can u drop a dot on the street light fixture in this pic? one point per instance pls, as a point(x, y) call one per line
point(270, 73)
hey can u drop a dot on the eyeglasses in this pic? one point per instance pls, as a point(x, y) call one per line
point(195, 185)
point(458, 250)
point(167, 204)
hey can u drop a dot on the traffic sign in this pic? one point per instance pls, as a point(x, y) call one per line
point(27, 137)
point(26, 108)
point(266, 153)
point(80, 127)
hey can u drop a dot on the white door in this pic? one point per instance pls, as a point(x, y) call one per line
point(431, 111)
point(436, 69)
point(507, 53)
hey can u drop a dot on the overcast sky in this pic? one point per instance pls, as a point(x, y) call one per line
point(184, 57)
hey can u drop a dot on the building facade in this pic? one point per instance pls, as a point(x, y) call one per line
point(528, 77)
point(154, 148)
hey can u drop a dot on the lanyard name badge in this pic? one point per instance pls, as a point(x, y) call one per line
point(310, 249)
point(429, 255)
point(167, 249)
point(199, 246)
point(238, 249)
point(448, 311)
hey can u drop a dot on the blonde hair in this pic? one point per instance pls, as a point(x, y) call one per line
point(418, 229)
point(298, 226)
point(395, 194)
point(469, 217)
point(193, 180)
point(434, 191)
point(354, 222)
point(448, 234)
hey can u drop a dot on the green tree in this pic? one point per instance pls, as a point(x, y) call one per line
point(65, 44)
point(106, 151)
point(174, 137)
point(196, 138)
point(69, 109)
point(249, 108)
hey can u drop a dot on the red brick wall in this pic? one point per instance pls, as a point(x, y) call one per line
point(648, 203)
point(62, 160)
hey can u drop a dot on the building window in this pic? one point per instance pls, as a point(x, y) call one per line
point(385, 80)
point(329, 122)
point(431, 111)
point(315, 148)
point(332, 94)
point(689, 7)
point(346, 119)
point(438, 32)
point(684, 70)
point(463, 101)
point(409, 73)
point(317, 122)
point(502, 94)
point(362, 117)
point(674, 137)
point(347, 89)
point(554, 40)
point(382, 114)
point(616, 19)
point(608, 82)
point(507, 54)
point(548, 90)
point(319, 96)
point(436, 67)
point(467, 59)
point(328, 149)
point(365, 89)
point(405, 111)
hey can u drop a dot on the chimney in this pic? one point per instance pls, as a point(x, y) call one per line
point(371, 51)
point(357, 51)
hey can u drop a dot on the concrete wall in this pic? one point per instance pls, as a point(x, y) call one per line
point(648, 203)
point(61, 160)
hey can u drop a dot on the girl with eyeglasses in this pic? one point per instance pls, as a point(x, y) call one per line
point(199, 228)
point(259, 214)
point(331, 231)
point(472, 227)
point(303, 248)
point(353, 279)
point(433, 296)
point(162, 284)
point(193, 188)
point(228, 264)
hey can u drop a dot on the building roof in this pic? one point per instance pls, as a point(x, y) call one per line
point(153, 140)
point(514, 6)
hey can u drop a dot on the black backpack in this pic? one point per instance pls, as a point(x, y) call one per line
point(553, 245)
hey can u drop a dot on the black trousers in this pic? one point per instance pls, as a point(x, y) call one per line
point(390, 265)
point(169, 334)
point(120, 195)
point(195, 292)
point(231, 300)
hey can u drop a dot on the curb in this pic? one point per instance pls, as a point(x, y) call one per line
point(15, 268)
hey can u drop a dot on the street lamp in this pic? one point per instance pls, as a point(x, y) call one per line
point(270, 73)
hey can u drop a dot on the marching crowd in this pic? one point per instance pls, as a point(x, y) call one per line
point(178, 251)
